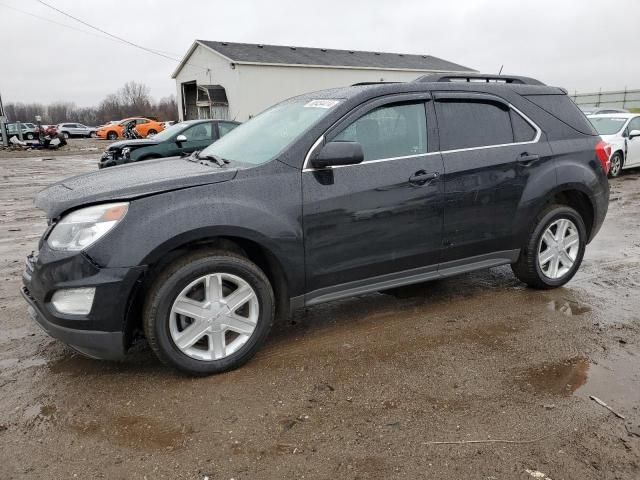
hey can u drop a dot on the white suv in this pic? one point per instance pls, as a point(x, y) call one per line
point(622, 132)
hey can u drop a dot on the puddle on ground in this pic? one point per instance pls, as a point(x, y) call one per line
point(568, 307)
point(561, 378)
point(614, 379)
point(135, 431)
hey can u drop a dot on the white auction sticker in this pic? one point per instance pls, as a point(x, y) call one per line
point(322, 103)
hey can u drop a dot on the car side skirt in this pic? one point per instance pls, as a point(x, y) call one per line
point(408, 277)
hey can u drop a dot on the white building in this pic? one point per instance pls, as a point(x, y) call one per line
point(238, 80)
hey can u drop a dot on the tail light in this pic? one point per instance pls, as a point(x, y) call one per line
point(603, 151)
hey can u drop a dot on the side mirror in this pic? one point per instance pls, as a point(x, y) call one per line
point(181, 139)
point(633, 134)
point(338, 153)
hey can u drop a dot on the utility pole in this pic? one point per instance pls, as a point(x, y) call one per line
point(3, 124)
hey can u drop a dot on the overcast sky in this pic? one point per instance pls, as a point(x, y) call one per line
point(577, 44)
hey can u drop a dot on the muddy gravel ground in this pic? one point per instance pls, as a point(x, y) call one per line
point(361, 388)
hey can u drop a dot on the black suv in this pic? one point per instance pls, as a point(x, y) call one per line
point(326, 195)
point(178, 139)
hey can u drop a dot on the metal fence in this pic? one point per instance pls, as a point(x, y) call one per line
point(619, 99)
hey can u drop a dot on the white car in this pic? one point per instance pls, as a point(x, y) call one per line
point(622, 132)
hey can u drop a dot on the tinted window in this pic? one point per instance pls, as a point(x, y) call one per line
point(523, 131)
point(225, 127)
point(390, 131)
point(563, 108)
point(201, 131)
point(468, 124)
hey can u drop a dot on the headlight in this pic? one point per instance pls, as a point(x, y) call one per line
point(86, 226)
point(125, 152)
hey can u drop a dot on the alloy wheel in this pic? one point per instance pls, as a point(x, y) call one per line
point(558, 248)
point(214, 316)
point(616, 165)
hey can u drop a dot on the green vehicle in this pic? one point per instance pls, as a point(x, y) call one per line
point(179, 139)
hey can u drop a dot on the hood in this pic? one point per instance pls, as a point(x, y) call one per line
point(127, 182)
point(141, 142)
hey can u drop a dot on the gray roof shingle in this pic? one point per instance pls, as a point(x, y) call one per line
point(278, 54)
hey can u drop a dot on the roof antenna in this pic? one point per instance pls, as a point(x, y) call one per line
point(500, 72)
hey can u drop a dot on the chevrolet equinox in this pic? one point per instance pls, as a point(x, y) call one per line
point(324, 196)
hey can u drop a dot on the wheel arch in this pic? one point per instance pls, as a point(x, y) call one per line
point(234, 242)
point(579, 201)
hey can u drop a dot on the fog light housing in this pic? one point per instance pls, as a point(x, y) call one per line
point(74, 301)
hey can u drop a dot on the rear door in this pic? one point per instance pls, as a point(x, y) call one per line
point(376, 221)
point(490, 151)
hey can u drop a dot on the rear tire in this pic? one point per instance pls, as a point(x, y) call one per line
point(616, 165)
point(188, 279)
point(547, 239)
point(30, 136)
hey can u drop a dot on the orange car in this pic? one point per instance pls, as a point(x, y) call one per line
point(144, 127)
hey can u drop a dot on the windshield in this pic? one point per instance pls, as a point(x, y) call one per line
point(169, 132)
point(260, 139)
point(607, 125)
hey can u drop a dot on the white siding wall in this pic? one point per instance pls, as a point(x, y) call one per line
point(262, 85)
point(252, 88)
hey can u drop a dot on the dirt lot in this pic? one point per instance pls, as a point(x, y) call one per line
point(360, 388)
point(75, 146)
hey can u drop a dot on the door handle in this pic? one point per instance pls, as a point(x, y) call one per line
point(527, 160)
point(422, 178)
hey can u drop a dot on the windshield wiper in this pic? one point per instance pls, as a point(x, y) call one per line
point(207, 159)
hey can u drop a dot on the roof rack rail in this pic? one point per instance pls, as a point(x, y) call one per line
point(477, 77)
point(371, 83)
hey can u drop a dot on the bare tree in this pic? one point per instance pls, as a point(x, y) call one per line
point(133, 99)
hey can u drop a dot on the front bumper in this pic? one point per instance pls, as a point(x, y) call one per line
point(111, 158)
point(92, 343)
point(100, 334)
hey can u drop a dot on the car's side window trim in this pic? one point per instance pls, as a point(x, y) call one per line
point(359, 112)
point(457, 95)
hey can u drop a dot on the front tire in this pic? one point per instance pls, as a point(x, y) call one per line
point(208, 312)
point(30, 136)
point(65, 134)
point(112, 136)
point(554, 249)
point(616, 165)
point(151, 132)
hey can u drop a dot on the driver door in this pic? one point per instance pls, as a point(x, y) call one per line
point(199, 136)
point(373, 225)
point(633, 144)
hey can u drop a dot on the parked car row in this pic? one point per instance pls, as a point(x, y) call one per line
point(181, 138)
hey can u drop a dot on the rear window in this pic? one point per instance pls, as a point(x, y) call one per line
point(467, 124)
point(563, 108)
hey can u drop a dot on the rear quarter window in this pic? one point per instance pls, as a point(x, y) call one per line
point(563, 108)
